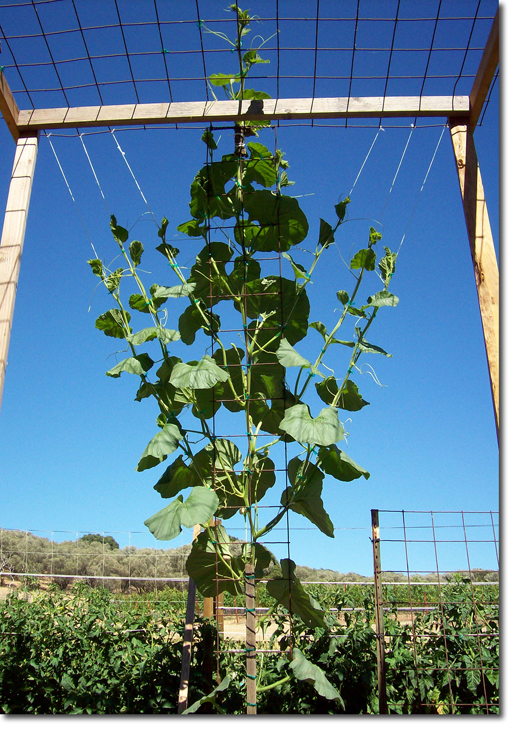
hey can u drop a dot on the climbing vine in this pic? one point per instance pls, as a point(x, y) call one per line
point(240, 211)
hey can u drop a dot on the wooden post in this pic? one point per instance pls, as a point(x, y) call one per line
point(13, 235)
point(378, 591)
point(251, 697)
point(482, 250)
point(183, 694)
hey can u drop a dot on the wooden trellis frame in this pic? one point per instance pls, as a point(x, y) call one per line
point(462, 113)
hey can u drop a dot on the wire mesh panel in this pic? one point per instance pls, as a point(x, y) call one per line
point(66, 54)
point(445, 613)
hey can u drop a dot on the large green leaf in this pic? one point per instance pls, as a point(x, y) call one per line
point(208, 198)
point(367, 347)
point(325, 429)
point(282, 223)
point(365, 258)
point(304, 670)
point(162, 293)
point(136, 250)
point(192, 319)
point(160, 446)
point(351, 400)
point(289, 357)
point(336, 463)
point(304, 495)
point(113, 324)
point(138, 365)
point(203, 375)
point(211, 573)
point(234, 358)
point(287, 308)
point(209, 698)
point(225, 453)
point(245, 269)
point(261, 166)
point(177, 477)
point(271, 415)
point(210, 285)
point(207, 401)
point(325, 234)
point(382, 298)
point(199, 508)
point(149, 334)
point(289, 592)
point(119, 233)
point(300, 272)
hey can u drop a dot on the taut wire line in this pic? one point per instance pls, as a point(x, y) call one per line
point(94, 173)
point(71, 194)
point(422, 186)
point(135, 179)
point(366, 158)
point(397, 171)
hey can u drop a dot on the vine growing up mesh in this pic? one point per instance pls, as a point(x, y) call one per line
point(243, 222)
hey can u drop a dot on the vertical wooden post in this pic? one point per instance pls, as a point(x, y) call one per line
point(378, 591)
point(251, 697)
point(482, 250)
point(183, 693)
point(13, 235)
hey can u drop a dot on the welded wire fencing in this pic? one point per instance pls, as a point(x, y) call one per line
point(429, 616)
point(444, 615)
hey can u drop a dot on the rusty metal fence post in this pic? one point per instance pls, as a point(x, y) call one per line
point(378, 594)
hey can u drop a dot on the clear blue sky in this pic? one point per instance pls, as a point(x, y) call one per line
point(70, 437)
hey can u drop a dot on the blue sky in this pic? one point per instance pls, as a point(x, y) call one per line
point(70, 437)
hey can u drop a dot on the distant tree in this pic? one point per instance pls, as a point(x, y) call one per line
point(108, 540)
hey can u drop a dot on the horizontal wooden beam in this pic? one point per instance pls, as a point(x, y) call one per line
point(485, 72)
point(8, 106)
point(231, 111)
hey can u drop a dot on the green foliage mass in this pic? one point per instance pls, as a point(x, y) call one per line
point(84, 653)
point(240, 214)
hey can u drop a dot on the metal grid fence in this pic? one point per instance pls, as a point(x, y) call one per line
point(447, 608)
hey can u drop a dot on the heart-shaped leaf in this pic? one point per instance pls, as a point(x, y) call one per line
point(304, 670)
point(159, 447)
point(197, 509)
point(202, 375)
point(323, 430)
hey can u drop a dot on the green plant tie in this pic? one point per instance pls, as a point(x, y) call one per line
point(199, 23)
point(350, 370)
point(249, 576)
point(195, 301)
point(323, 350)
point(350, 303)
point(174, 266)
point(164, 50)
point(248, 609)
point(307, 277)
point(2, 69)
point(148, 303)
point(238, 184)
point(250, 704)
point(254, 679)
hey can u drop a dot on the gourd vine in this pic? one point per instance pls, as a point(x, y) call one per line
point(240, 212)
